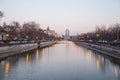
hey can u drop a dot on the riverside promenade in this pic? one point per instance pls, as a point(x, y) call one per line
point(107, 50)
point(17, 49)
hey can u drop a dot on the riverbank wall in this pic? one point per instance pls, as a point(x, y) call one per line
point(17, 49)
point(115, 53)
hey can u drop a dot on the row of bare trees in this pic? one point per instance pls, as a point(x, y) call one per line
point(29, 30)
point(102, 34)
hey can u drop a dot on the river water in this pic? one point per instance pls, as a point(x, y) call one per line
point(63, 61)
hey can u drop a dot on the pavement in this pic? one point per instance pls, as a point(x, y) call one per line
point(106, 49)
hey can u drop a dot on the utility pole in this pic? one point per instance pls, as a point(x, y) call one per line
point(118, 25)
point(118, 34)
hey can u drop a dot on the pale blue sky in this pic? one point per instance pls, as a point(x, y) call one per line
point(77, 15)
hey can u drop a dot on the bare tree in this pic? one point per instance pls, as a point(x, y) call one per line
point(102, 34)
point(12, 30)
point(1, 14)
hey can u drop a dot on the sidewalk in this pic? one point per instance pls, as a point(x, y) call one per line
point(17, 49)
point(108, 50)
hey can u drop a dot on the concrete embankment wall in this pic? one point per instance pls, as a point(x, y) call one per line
point(102, 49)
point(45, 44)
point(16, 49)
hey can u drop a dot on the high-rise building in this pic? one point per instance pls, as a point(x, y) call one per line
point(67, 34)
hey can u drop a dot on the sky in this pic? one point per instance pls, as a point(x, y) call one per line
point(79, 16)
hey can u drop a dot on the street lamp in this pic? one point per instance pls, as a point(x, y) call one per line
point(7, 35)
point(36, 39)
point(97, 35)
point(27, 38)
point(118, 34)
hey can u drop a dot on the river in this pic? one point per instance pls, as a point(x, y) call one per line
point(63, 61)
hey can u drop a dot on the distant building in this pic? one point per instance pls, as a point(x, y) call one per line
point(67, 34)
point(51, 33)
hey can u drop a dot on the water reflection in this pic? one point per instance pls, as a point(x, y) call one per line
point(7, 66)
point(100, 61)
point(89, 56)
point(47, 50)
point(37, 55)
point(27, 59)
point(60, 62)
point(103, 63)
point(98, 64)
point(43, 51)
point(116, 72)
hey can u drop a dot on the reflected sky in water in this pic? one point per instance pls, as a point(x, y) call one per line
point(64, 61)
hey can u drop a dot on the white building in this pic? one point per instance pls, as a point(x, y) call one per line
point(67, 34)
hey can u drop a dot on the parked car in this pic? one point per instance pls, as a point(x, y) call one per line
point(42, 40)
point(32, 41)
point(18, 42)
point(12, 42)
point(24, 41)
point(2, 43)
point(103, 41)
point(90, 40)
point(116, 43)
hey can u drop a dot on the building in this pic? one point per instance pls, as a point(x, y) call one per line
point(67, 34)
point(51, 33)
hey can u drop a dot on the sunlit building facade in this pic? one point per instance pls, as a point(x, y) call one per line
point(51, 32)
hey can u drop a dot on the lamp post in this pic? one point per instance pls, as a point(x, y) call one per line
point(97, 35)
point(27, 38)
point(36, 39)
point(118, 29)
point(87, 37)
point(118, 34)
point(7, 37)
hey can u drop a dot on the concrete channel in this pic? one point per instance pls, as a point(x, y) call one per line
point(115, 53)
point(17, 49)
